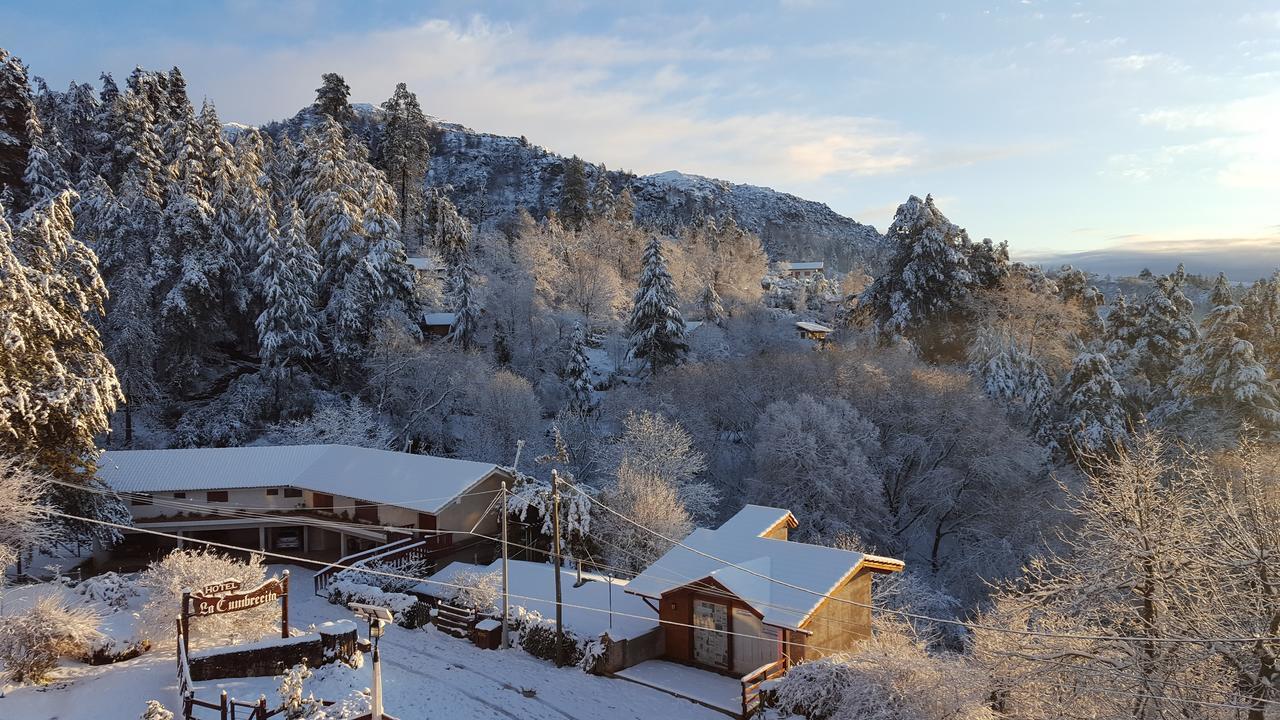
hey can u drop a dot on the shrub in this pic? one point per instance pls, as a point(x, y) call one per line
point(165, 579)
point(403, 607)
point(109, 588)
point(539, 640)
point(156, 711)
point(32, 642)
point(478, 590)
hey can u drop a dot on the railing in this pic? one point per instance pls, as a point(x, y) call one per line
point(325, 574)
point(225, 706)
point(751, 683)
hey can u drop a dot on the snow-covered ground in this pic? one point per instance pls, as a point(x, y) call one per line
point(535, 580)
point(426, 674)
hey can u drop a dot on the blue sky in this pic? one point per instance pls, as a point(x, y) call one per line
point(1062, 127)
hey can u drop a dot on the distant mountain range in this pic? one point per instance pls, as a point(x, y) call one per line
point(493, 176)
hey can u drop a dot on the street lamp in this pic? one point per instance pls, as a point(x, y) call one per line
point(378, 618)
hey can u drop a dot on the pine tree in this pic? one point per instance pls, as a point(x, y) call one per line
point(577, 376)
point(1012, 375)
point(1093, 403)
point(286, 276)
point(406, 154)
point(602, 200)
point(1221, 370)
point(190, 309)
point(656, 326)
point(59, 387)
point(332, 99)
point(624, 208)
point(1164, 330)
point(465, 304)
point(1261, 316)
point(919, 296)
point(16, 108)
point(712, 308)
point(44, 176)
point(575, 205)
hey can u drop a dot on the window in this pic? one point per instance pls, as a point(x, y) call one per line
point(292, 492)
point(140, 499)
point(216, 496)
point(180, 496)
point(273, 491)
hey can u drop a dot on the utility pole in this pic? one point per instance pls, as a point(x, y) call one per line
point(555, 564)
point(503, 510)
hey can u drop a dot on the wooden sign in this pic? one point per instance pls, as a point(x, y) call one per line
point(221, 597)
point(266, 593)
point(218, 588)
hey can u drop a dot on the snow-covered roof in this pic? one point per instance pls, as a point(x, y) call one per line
point(417, 482)
point(421, 264)
point(692, 325)
point(813, 327)
point(441, 318)
point(785, 265)
point(819, 570)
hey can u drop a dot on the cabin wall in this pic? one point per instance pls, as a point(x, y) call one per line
point(465, 512)
point(677, 607)
point(840, 626)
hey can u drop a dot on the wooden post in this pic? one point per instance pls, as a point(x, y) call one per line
point(262, 707)
point(555, 564)
point(186, 621)
point(502, 509)
point(284, 607)
point(222, 704)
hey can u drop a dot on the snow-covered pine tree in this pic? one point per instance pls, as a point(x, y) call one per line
point(45, 176)
point(712, 307)
point(1261, 316)
point(405, 156)
point(602, 200)
point(988, 262)
point(919, 296)
point(332, 98)
point(1093, 403)
point(575, 202)
point(286, 277)
point(190, 307)
point(16, 108)
point(60, 387)
point(1164, 329)
point(1221, 370)
point(577, 376)
point(1012, 375)
point(656, 326)
point(465, 304)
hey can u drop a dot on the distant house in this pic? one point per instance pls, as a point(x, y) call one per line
point(801, 270)
point(439, 323)
point(270, 498)
point(813, 331)
point(735, 618)
point(425, 268)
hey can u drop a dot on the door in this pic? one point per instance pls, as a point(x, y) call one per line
point(710, 638)
point(754, 644)
point(322, 501)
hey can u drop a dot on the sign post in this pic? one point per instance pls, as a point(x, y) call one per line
point(226, 597)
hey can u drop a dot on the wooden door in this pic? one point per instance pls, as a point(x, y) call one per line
point(322, 501)
point(754, 643)
point(710, 638)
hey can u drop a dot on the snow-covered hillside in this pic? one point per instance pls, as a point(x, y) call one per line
point(495, 175)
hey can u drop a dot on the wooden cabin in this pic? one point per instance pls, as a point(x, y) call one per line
point(802, 270)
point(778, 600)
point(813, 331)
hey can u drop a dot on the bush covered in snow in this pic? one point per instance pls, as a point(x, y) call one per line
point(32, 641)
point(115, 591)
point(156, 711)
point(479, 591)
point(164, 581)
point(891, 678)
point(387, 577)
point(343, 591)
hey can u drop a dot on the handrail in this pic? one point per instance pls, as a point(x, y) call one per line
point(752, 681)
point(322, 576)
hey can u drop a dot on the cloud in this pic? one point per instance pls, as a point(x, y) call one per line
point(1136, 62)
point(633, 103)
point(1243, 259)
point(1241, 138)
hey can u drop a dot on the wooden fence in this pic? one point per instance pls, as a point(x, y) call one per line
point(327, 573)
point(226, 707)
point(751, 683)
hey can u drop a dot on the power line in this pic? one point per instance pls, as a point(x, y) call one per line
point(917, 616)
point(588, 608)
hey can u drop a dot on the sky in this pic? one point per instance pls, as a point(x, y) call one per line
point(1117, 134)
